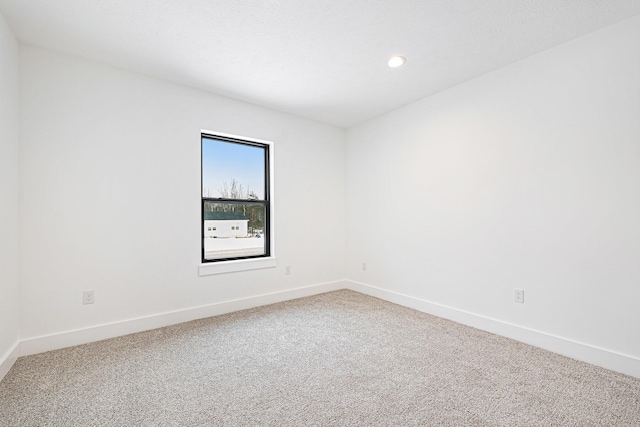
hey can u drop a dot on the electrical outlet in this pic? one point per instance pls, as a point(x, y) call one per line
point(364, 266)
point(88, 297)
point(518, 295)
point(287, 270)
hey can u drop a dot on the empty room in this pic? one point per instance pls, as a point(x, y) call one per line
point(330, 213)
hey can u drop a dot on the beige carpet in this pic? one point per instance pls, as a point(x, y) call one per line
point(340, 358)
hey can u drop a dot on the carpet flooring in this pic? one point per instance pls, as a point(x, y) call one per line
point(335, 359)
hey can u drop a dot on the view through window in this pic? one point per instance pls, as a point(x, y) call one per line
point(235, 198)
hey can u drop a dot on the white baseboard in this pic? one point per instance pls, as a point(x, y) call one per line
point(608, 359)
point(8, 359)
point(100, 332)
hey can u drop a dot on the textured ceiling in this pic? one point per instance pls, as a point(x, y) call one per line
point(325, 59)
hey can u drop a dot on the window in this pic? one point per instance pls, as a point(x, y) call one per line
point(236, 206)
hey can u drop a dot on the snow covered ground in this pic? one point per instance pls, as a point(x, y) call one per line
point(233, 247)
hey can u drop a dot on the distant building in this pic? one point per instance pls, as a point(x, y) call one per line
point(225, 224)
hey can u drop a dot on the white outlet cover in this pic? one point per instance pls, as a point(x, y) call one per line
point(518, 295)
point(88, 297)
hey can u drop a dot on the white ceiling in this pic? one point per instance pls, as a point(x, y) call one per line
point(321, 59)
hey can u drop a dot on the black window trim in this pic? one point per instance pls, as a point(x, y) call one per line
point(266, 202)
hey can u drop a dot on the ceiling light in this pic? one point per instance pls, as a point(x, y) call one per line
point(396, 61)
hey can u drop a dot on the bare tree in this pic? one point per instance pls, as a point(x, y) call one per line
point(233, 190)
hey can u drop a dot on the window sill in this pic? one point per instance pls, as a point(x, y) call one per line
point(236, 265)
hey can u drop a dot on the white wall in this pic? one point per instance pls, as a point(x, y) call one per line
point(527, 177)
point(111, 195)
point(9, 292)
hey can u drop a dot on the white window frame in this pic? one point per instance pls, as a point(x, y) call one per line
point(222, 267)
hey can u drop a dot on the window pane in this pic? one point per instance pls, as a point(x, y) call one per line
point(231, 170)
point(237, 230)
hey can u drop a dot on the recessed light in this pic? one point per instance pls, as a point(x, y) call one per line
point(396, 61)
